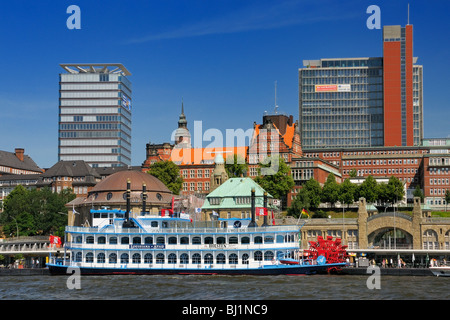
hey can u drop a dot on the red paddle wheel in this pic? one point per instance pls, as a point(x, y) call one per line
point(333, 251)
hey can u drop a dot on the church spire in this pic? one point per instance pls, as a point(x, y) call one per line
point(182, 122)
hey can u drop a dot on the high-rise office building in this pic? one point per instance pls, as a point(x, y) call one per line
point(95, 114)
point(363, 102)
point(341, 103)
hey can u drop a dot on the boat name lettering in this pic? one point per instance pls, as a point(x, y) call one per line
point(220, 246)
point(147, 246)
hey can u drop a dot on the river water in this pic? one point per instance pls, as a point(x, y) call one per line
point(193, 287)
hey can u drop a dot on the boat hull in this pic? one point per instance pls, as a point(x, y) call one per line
point(440, 271)
point(56, 269)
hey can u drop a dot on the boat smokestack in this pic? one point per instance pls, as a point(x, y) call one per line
point(265, 210)
point(144, 198)
point(127, 223)
point(253, 223)
point(127, 214)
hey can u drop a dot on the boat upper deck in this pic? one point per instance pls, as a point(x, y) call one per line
point(171, 225)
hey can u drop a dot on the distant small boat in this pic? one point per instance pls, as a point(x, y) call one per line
point(289, 261)
point(441, 271)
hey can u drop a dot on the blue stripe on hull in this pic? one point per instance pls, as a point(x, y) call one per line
point(267, 270)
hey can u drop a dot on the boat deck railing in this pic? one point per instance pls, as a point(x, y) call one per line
point(113, 229)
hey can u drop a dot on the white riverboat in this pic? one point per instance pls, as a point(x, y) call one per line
point(154, 244)
point(168, 245)
point(443, 271)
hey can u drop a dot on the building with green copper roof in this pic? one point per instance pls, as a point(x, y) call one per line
point(232, 199)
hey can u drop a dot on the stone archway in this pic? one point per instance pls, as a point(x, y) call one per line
point(390, 238)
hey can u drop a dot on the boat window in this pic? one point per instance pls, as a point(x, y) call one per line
point(221, 240)
point(268, 239)
point(101, 257)
point(154, 224)
point(160, 240)
point(184, 258)
point(233, 240)
point(257, 256)
point(112, 258)
point(245, 258)
point(208, 259)
point(113, 240)
point(124, 258)
point(136, 240)
point(89, 257)
point(101, 240)
point(268, 256)
point(209, 240)
point(184, 240)
point(196, 258)
point(280, 239)
point(165, 224)
point(124, 240)
point(173, 240)
point(258, 239)
point(148, 258)
point(78, 239)
point(172, 259)
point(233, 258)
point(104, 215)
point(78, 257)
point(90, 239)
point(148, 240)
point(220, 259)
point(136, 258)
point(245, 240)
point(160, 258)
point(196, 240)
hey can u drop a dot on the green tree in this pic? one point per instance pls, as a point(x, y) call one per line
point(312, 186)
point(368, 189)
point(236, 166)
point(279, 182)
point(35, 212)
point(301, 201)
point(418, 193)
point(169, 174)
point(15, 204)
point(347, 192)
point(395, 190)
point(330, 190)
point(382, 192)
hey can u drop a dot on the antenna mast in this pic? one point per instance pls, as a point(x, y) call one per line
point(408, 13)
point(276, 107)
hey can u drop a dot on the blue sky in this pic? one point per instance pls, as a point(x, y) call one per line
point(221, 57)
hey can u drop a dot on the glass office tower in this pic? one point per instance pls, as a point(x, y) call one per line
point(364, 102)
point(341, 103)
point(95, 114)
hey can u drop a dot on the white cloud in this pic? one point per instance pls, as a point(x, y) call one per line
point(262, 17)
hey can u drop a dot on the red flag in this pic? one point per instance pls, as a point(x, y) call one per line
point(261, 211)
point(166, 212)
point(54, 240)
point(273, 218)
